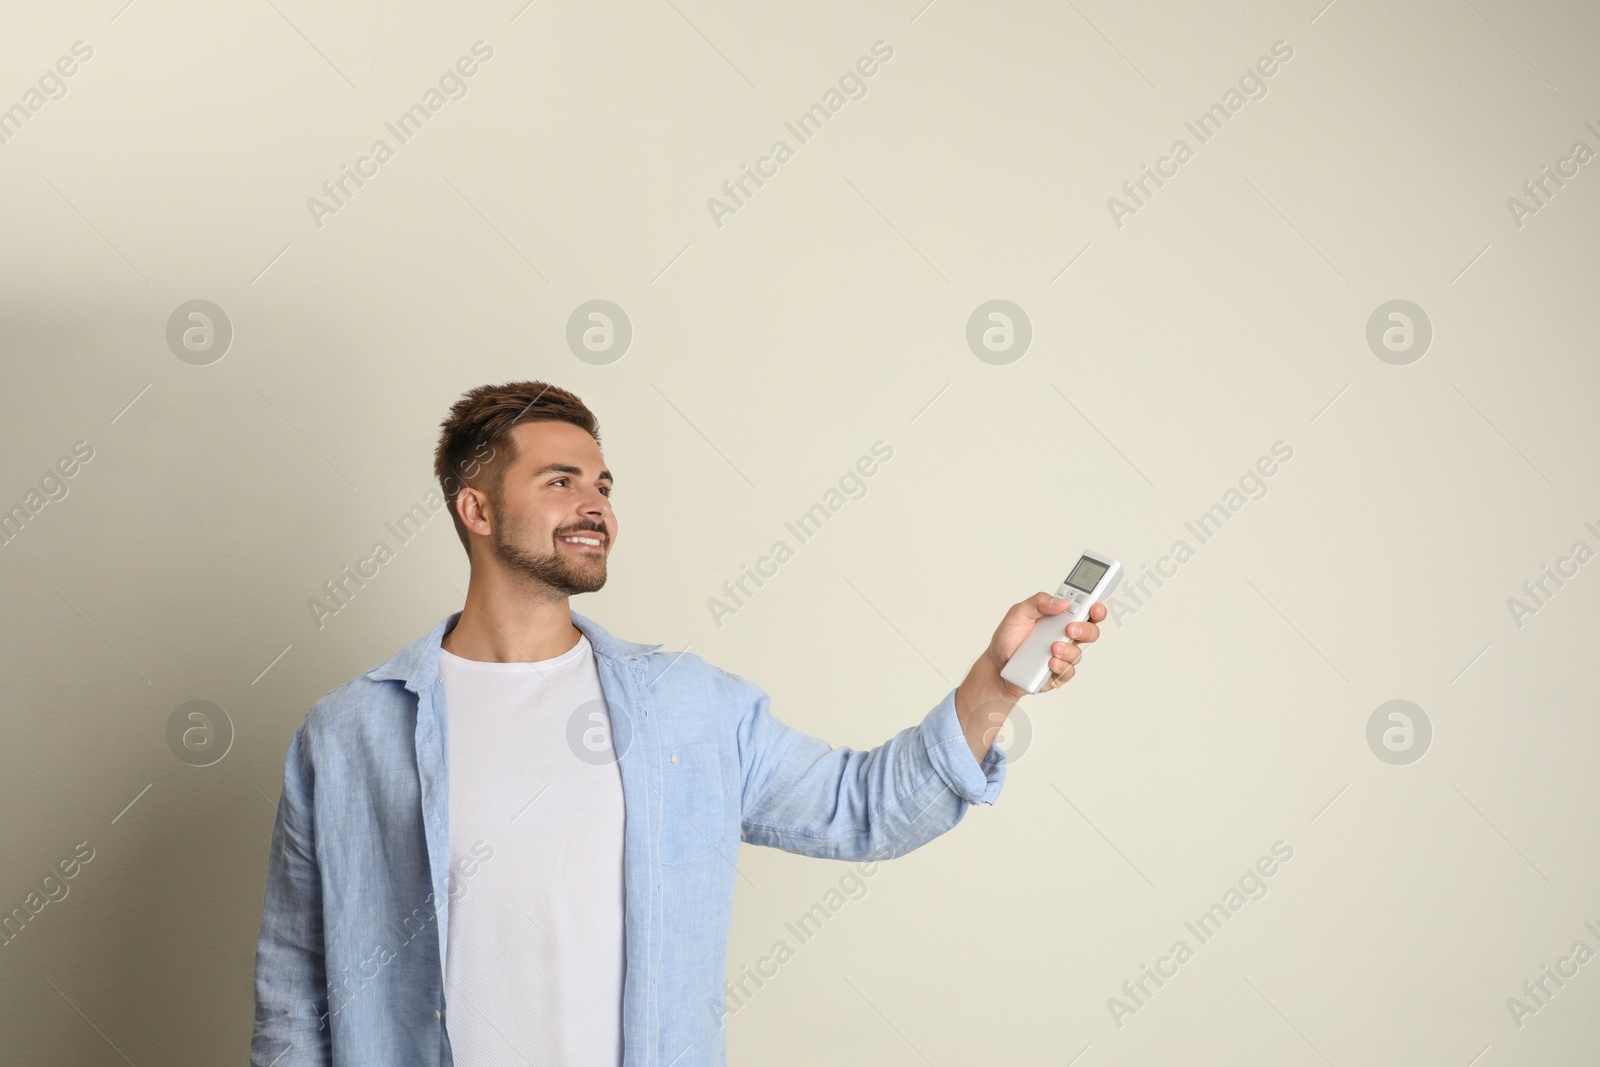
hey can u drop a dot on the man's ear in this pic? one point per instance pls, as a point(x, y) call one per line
point(474, 508)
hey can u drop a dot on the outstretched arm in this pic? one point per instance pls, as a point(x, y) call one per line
point(802, 795)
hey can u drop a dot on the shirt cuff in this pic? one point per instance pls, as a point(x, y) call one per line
point(952, 756)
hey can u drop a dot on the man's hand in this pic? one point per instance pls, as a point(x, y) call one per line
point(984, 699)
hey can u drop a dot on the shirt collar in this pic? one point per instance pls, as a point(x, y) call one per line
point(417, 664)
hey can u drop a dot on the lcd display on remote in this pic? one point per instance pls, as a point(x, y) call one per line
point(1087, 574)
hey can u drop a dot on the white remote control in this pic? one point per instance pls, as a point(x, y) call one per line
point(1090, 582)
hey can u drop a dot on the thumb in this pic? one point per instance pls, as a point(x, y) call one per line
point(1025, 613)
point(1046, 604)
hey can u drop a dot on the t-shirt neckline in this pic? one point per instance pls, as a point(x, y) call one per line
point(567, 658)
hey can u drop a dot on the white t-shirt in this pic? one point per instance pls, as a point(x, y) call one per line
point(535, 963)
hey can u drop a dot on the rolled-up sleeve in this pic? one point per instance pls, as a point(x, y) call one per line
point(802, 795)
point(952, 758)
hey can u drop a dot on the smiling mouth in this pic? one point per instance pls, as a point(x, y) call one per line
point(584, 542)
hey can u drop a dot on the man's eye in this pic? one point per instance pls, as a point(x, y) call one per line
point(606, 489)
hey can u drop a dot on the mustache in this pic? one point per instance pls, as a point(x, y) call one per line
point(601, 530)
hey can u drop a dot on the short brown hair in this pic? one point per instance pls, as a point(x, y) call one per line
point(481, 422)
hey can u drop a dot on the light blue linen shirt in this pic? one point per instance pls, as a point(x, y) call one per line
point(349, 963)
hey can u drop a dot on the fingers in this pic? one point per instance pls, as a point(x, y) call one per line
point(1063, 663)
point(1064, 653)
point(1060, 677)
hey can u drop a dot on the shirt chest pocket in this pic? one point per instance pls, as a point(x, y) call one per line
point(692, 812)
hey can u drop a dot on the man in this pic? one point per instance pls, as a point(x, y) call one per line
point(516, 841)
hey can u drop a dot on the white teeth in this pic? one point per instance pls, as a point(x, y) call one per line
point(582, 541)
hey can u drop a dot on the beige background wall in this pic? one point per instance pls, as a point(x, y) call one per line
point(1168, 354)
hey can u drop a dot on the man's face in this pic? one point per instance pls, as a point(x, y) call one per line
point(554, 498)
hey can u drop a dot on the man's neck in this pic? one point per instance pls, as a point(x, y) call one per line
point(498, 625)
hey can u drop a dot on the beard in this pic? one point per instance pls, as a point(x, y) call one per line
point(567, 576)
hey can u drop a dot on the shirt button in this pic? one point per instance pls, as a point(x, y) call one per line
point(436, 1014)
point(672, 758)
